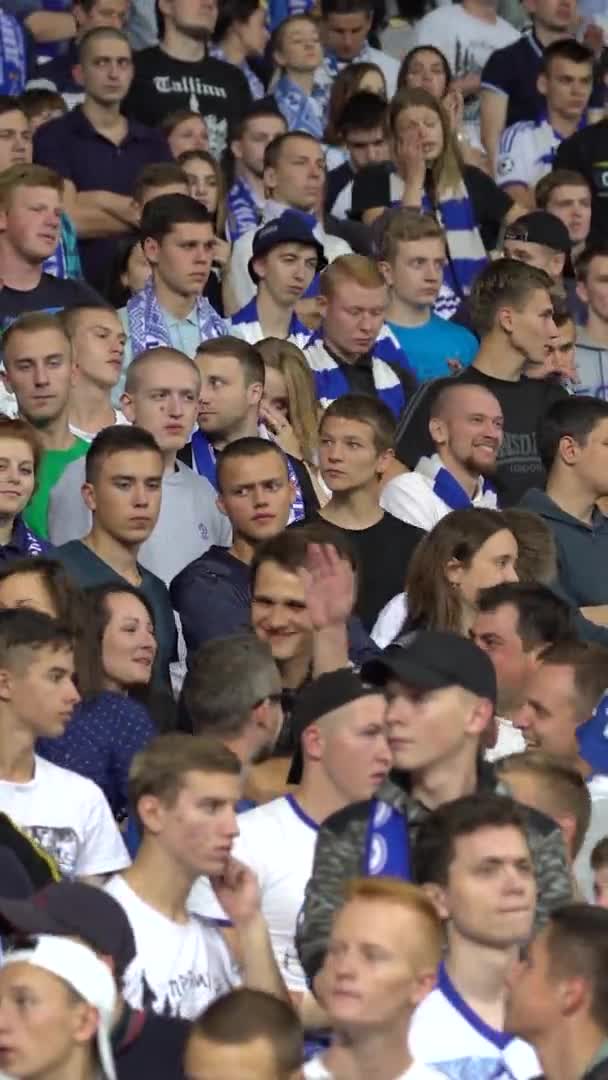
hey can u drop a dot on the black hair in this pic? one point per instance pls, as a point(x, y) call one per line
point(29, 630)
point(345, 7)
point(575, 416)
point(231, 11)
point(115, 440)
point(437, 835)
point(250, 446)
point(113, 290)
point(566, 49)
point(159, 215)
point(542, 617)
point(363, 112)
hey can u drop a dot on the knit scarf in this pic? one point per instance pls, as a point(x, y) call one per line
point(243, 211)
point(302, 112)
point(13, 64)
point(331, 381)
point(387, 843)
point(447, 488)
point(147, 326)
point(246, 324)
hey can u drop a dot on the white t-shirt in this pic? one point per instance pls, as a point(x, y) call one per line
point(526, 152)
point(277, 841)
point(446, 1033)
point(315, 1070)
point(390, 621)
point(68, 815)
point(180, 968)
point(466, 42)
point(411, 498)
point(598, 827)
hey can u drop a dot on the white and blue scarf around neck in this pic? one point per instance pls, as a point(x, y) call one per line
point(204, 458)
point(246, 324)
point(302, 112)
point(148, 328)
point(13, 59)
point(446, 487)
point(331, 381)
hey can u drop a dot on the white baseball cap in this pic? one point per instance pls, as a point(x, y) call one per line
point(78, 966)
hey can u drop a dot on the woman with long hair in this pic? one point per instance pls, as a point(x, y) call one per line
point(207, 186)
point(114, 657)
point(20, 454)
point(428, 174)
point(350, 81)
point(468, 550)
point(240, 33)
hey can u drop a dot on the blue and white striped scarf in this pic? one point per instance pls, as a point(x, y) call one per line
point(302, 112)
point(454, 212)
point(246, 324)
point(13, 62)
point(332, 383)
point(204, 463)
point(256, 85)
point(387, 843)
point(447, 488)
point(244, 212)
point(147, 326)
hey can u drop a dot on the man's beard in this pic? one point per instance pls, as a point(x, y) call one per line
point(483, 468)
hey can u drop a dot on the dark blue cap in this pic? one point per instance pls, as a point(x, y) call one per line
point(290, 228)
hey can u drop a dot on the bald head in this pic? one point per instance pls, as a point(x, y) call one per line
point(161, 395)
point(466, 426)
point(151, 358)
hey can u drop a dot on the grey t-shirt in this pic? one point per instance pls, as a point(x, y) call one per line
point(188, 524)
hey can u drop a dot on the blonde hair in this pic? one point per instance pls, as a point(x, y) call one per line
point(33, 322)
point(18, 176)
point(429, 945)
point(302, 402)
point(161, 767)
point(446, 171)
point(405, 226)
point(357, 268)
point(560, 787)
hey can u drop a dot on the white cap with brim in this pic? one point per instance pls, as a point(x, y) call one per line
point(78, 966)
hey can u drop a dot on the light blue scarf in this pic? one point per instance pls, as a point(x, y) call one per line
point(302, 112)
point(147, 326)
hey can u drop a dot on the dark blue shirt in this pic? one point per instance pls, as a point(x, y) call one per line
point(23, 543)
point(100, 741)
point(72, 146)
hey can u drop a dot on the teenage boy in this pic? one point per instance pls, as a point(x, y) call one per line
point(98, 151)
point(362, 127)
point(159, 178)
point(573, 446)
point(354, 351)
point(345, 26)
point(294, 179)
point(245, 201)
point(466, 427)
point(370, 1015)
point(343, 756)
point(183, 791)
point(97, 341)
point(177, 73)
point(592, 338)
point(122, 489)
point(211, 595)
point(161, 397)
point(31, 199)
point(66, 813)
point(473, 857)
point(556, 993)
point(513, 314)
point(412, 259)
point(355, 449)
point(232, 384)
point(178, 240)
point(567, 195)
point(285, 258)
point(441, 683)
point(527, 150)
point(246, 1035)
point(39, 371)
point(301, 90)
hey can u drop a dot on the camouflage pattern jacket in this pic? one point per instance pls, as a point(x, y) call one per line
point(339, 856)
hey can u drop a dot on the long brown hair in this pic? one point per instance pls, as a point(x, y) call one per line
point(203, 155)
point(303, 407)
point(432, 602)
point(446, 171)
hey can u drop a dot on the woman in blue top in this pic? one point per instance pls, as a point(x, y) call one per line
point(19, 459)
point(114, 659)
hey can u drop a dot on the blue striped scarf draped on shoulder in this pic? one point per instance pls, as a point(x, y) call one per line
point(302, 112)
point(246, 324)
point(332, 383)
point(147, 326)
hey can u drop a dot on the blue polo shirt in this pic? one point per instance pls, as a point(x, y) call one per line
point(72, 146)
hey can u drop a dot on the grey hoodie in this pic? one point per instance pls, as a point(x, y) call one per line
point(592, 366)
point(582, 550)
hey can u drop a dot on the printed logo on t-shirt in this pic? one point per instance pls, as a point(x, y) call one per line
point(600, 177)
point(519, 452)
point(184, 995)
point(60, 842)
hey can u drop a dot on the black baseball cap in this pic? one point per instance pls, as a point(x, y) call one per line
point(540, 227)
point(289, 228)
point(73, 909)
point(433, 660)
point(316, 699)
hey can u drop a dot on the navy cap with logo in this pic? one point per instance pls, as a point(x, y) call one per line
point(290, 228)
point(540, 227)
point(318, 698)
point(73, 909)
point(434, 660)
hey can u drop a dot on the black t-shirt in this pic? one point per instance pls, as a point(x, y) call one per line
point(523, 404)
point(375, 186)
point(336, 180)
point(213, 88)
point(587, 152)
point(383, 553)
point(51, 294)
point(147, 1045)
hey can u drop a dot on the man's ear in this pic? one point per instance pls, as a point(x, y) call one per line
point(581, 292)
point(322, 302)
point(219, 502)
point(437, 895)
point(258, 265)
point(6, 379)
point(6, 684)
point(255, 393)
point(384, 461)
point(541, 84)
point(438, 431)
point(88, 495)
point(127, 406)
point(314, 741)
point(386, 271)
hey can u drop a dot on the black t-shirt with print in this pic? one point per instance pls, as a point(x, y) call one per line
point(51, 294)
point(523, 404)
point(213, 88)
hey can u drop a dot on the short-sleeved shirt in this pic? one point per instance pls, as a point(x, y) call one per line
point(179, 968)
point(72, 146)
point(51, 294)
point(69, 817)
point(162, 85)
point(430, 346)
point(526, 152)
point(52, 465)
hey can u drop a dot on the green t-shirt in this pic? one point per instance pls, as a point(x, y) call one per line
point(52, 464)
